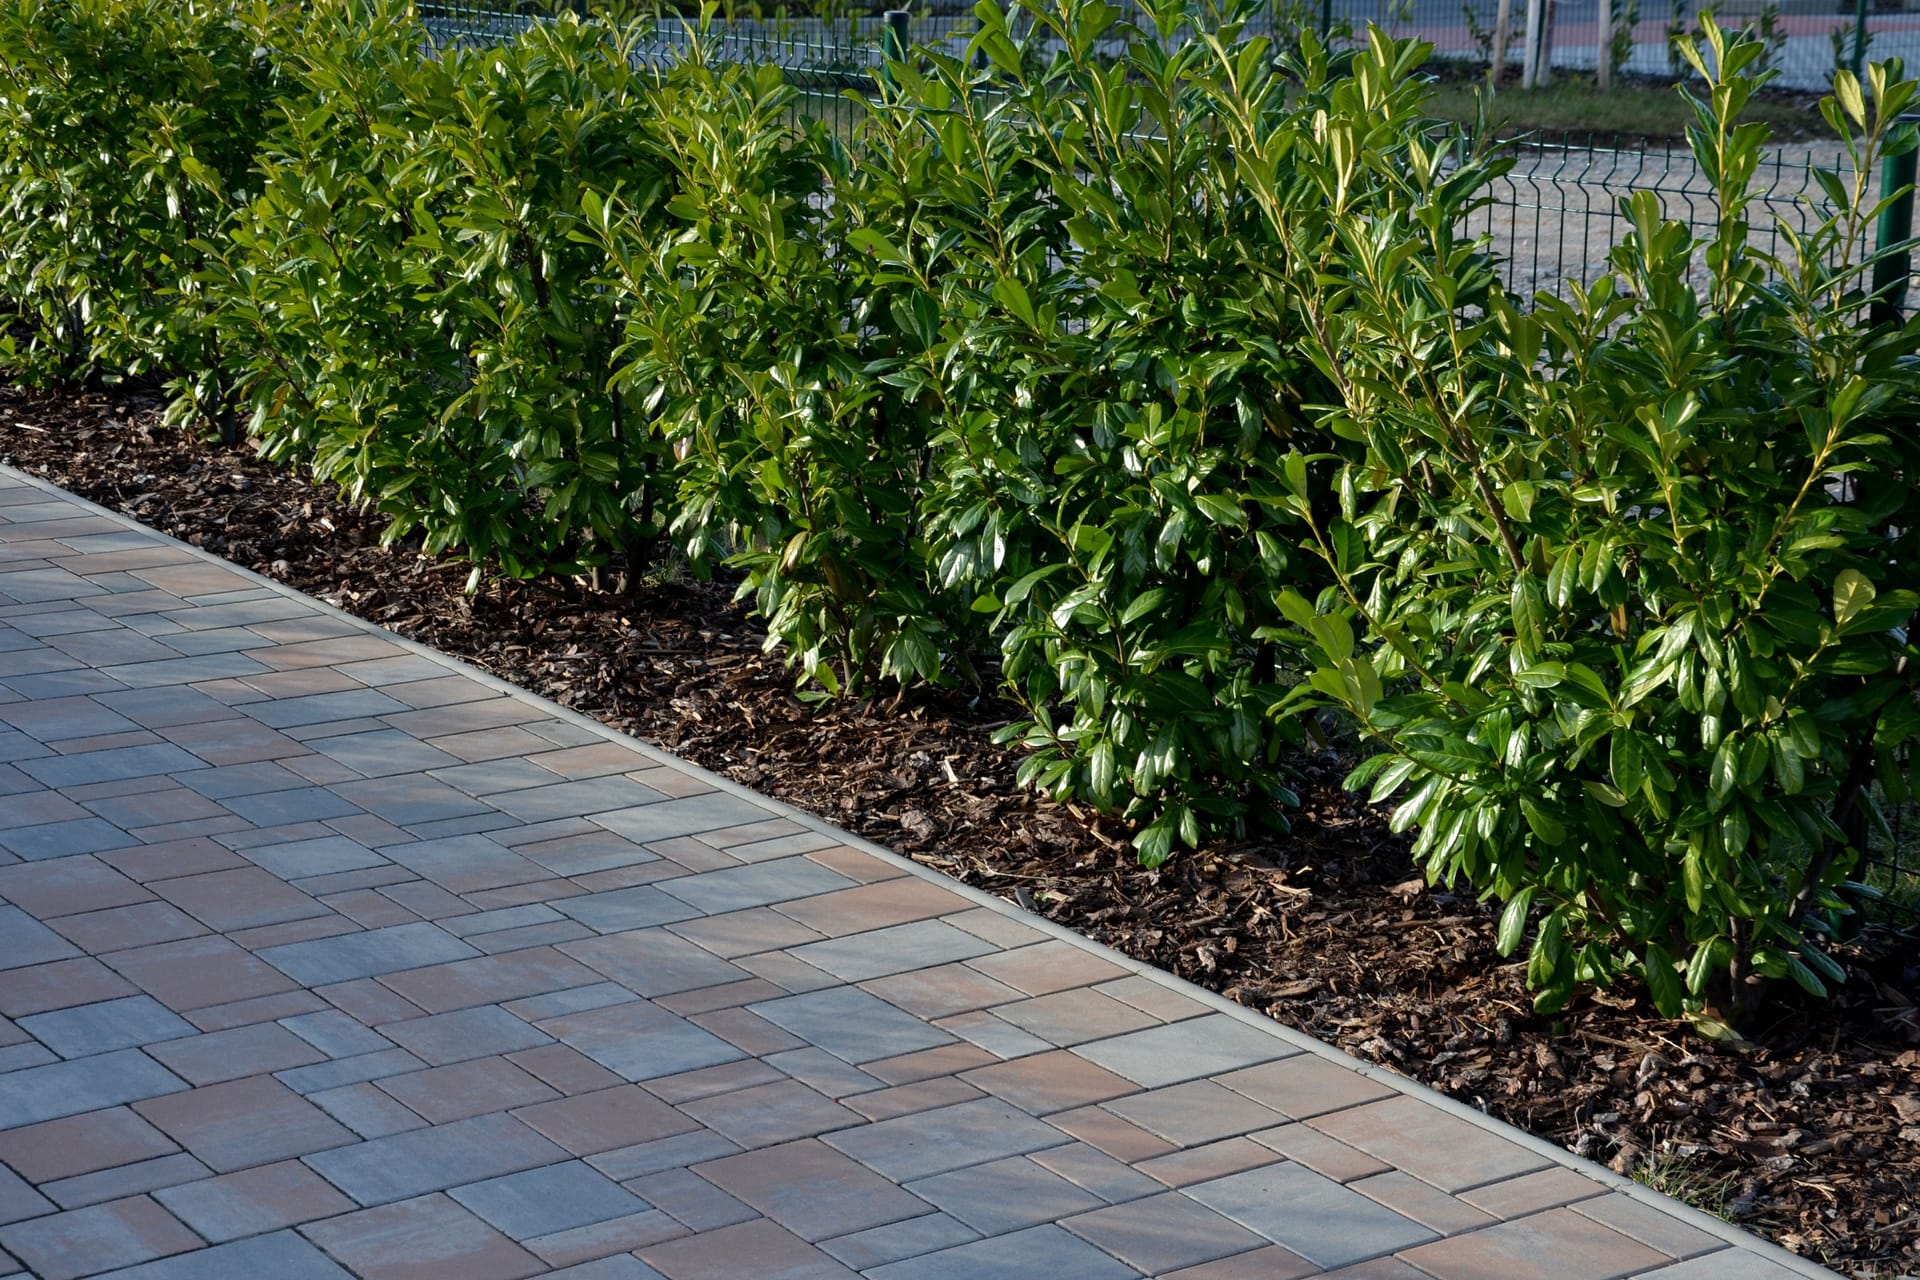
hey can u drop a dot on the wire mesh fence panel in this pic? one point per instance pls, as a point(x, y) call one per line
point(1557, 214)
point(1806, 39)
point(1890, 864)
point(473, 25)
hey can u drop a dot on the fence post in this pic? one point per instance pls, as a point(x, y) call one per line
point(1890, 273)
point(894, 43)
point(1326, 21)
point(1859, 38)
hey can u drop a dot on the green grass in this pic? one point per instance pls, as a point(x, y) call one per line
point(1687, 1180)
point(1635, 111)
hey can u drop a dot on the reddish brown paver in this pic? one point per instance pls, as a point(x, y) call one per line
point(812, 1189)
point(196, 972)
point(102, 1237)
point(81, 1144)
point(1047, 1082)
point(242, 1123)
point(430, 1238)
point(254, 1201)
point(758, 1248)
point(58, 984)
point(467, 1089)
point(361, 965)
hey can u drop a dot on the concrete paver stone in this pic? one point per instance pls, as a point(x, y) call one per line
point(428, 1238)
point(433, 1159)
point(282, 1255)
point(323, 957)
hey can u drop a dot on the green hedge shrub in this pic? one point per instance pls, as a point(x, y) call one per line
point(421, 320)
point(1625, 582)
point(1112, 389)
point(128, 130)
point(751, 341)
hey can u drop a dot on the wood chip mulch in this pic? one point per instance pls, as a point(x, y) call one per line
point(1809, 1136)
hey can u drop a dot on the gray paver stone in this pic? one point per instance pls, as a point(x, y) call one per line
point(620, 1267)
point(366, 955)
point(383, 752)
point(467, 863)
point(880, 1245)
point(641, 1041)
point(100, 1237)
point(1185, 1050)
point(319, 708)
point(851, 1024)
point(919, 945)
point(468, 1033)
point(574, 799)
point(282, 1256)
point(410, 799)
point(125, 1023)
point(127, 1180)
point(345, 1071)
point(1038, 1253)
point(84, 1084)
point(328, 855)
point(61, 839)
point(336, 1034)
point(638, 907)
point(290, 805)
point(1004, 1195)
point(757, 885)
point(930, 1142)
point(654, 962)
point(253, 1201)
point(1316, 1217)
point(542, 1201)
point(424, 1160)
point(668, 819)
point(29, 942)
point(18, 1199)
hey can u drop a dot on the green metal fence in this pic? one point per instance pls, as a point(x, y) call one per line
point(1552, 219)
point(1555, 216)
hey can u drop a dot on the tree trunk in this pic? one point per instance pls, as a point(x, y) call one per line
point(1530, 49)
point(1502, 32)
point(1604, 66)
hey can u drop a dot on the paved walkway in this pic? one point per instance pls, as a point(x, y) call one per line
point(311, 967)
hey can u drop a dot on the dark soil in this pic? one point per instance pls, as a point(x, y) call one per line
point(1809, 1136)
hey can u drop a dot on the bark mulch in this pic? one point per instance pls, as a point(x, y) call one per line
point(1810, 1135)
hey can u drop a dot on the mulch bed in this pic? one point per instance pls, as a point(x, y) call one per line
point(1809, 1136)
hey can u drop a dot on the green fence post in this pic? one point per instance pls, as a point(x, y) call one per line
point(894, 44)
point(1890, 273)
point(1859, 38)
point(1326, 21)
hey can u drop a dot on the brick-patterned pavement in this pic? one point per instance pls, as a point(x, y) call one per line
point(323, 956)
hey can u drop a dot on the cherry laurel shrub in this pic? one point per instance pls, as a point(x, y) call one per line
point(1057, 218)
point(128, 130)
point(750, 342)
point(1623, 583)
point(420, 322)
